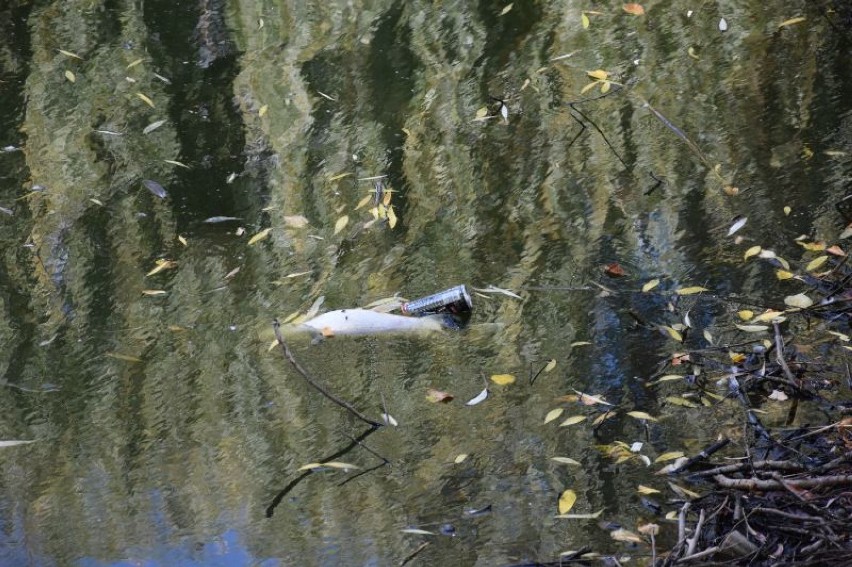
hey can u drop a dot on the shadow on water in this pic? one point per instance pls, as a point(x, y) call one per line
point(191, 43)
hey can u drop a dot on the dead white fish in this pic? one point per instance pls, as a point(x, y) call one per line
point(155, 188)
point(368, 322)
point(215, 220)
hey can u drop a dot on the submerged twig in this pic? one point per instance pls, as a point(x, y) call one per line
point(276, 326)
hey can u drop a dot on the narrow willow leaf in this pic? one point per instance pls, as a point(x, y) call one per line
point(182, 240)
point(598, 74)
point(816, 263)
point(580, 343)
point(479, 398)
point(506, 10)
point(553, 414)
point(97, 202)
point(573, 420)
point(708, 336)
point(753, 251)
point(683, 402)
point(650, 285)
point(482, 112)
point(315, 307)
point(673, 333)
point(502, 379)
point(153, 126)
point(391, 217)
point(154, 292)
point(669, 456)
point(416, 531)
point(133, 64)
point(162, 265)
point(263, 110)
point(146, 99)
point(739, 222)
point(259, 236)
point(340, 176)
point(641, 415)
point(589, 87)
point(783, 274)
point(566, 501)
point(792, 21)
point(625, 535)
point(14, 442)
point(593, 516)
point(460, 458)
point(690, 290)
point(70, 54)
point(177, 163)
point(70, 76)
point(363, 202)
point(389, 419)
point(341, 223)
point(124, 357)
point(752, 328)
point(590, 400)
point(670, 377)
point(642, 489)
point(799, 300)
point(551, 364)
point(566, 461)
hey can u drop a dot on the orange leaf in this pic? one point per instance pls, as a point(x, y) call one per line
point(614, 270)
point(635, 9)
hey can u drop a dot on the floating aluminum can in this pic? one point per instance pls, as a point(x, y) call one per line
point(455, 301)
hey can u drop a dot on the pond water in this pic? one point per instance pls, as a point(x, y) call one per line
point(523, 149)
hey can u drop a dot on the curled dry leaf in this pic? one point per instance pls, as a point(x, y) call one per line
point(799, 300)
point(614, 270)
point(635, 9)
point(438, 396)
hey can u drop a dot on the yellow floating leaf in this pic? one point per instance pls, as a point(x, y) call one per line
point(391, 217)
point(297, 274)
point(566, 461)
point(799, 300)
point(690, 290)
point(605, 87)
point(669, 456)
point(502, 379)
point(566, 501)
point(650, 285)
point(787, 211)
point(584, 19)
point(580, 343)
point(553, 414)
point(162, 265)
point(70, 54)
point(641, 415)
point(70, 76)
point(133, 64)
point(812, 246)
point(753, 251)
point(816, 263)
point(573, 420)
point(482, 112)
point(506, 10)
point(670, 377)
point(363, 202)
point(768, 315)
point(551, 364)
point(745, 314)
point(263, 110)
point(673, 333)
point(792, 21)
point(783, 274)
point(633, 8)
point(145, 99)
point(154, 292)
point(341, 223)
point(460, 458)
point(182, 240)
point(97, 202)
point(752, 328)
point(736, 357)
point(340, 176)
point(642, 489)
point(589, 87)
point(259, 236)
point(598, 74)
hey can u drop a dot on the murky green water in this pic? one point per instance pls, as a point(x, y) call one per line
point(169, 434)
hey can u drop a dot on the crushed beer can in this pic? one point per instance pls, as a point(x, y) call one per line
point(454, 301)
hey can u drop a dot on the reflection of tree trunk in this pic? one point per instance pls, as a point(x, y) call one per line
point(211, 34)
